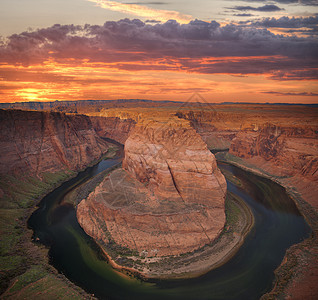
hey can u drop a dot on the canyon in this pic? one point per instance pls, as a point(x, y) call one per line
point(37, 142)
point(167, 171)
point(167, 200)
point(279, 142)
point(39, 151)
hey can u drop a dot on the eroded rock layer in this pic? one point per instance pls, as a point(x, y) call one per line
point(113, 127)
point(34, 142)
point(169, 199)
point(288, 152)
point(293, 150)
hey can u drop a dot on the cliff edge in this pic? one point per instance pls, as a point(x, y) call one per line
point(34, 142)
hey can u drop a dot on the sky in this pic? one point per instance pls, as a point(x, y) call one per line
point(238, 51)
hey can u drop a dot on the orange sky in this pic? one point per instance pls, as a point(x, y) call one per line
point(75, 80)
point(166, 61)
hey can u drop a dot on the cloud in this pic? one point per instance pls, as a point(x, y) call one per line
point(286, 22)
point(296, 25)
point(143, 11)
point(152, 21)
point(196, 47)
point(243, 15)
point(265, 8)
point(291, 93)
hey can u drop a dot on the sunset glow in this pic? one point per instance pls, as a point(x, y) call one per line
point(271, 58)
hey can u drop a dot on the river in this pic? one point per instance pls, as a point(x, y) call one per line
point(248, 275)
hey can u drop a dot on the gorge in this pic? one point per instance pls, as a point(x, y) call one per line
point(286, 154)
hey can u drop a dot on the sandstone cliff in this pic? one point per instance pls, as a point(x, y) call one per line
point(213, 127)
point(35, 142)
point(289, 152)
point(113, 127)
point(170, 199)
point(292, 150)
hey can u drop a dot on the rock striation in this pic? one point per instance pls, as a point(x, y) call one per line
point(216, 129)
point(113, 127)
point(291, 153)
point(168, 199)
point(293, 150)
point(34, 142)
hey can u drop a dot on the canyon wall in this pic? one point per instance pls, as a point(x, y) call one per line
point(113, 127)
point(213, 127)
point(168, 199)
point(35, 142)
point(289, 152)
point(293, 150)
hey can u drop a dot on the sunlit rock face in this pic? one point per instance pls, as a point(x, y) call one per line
point(174, 162)
point(293, 150)
point(168, 199)
point(34, 142)
point(289, 152)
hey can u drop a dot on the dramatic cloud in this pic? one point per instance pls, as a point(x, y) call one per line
point(265, 8)
point(131, 57)
point(143, 11)
point(198, 46)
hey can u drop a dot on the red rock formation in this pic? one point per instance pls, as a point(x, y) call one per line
point(173, 160)
point(292, 150)
point(34, 142)
point(113, 128)
point(171, 201)
point(212, 126)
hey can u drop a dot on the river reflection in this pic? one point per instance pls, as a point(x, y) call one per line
point(248, 275)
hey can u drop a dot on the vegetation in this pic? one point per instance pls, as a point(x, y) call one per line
point(23, 264)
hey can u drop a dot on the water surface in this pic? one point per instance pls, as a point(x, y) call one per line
point(248, 275)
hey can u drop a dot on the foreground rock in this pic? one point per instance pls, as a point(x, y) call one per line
point(169, 199)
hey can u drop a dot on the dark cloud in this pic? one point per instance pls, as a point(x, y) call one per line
point(285, 22)
point(306, 73)
point(243, 15)
point(290, 93)
point(153, 21)
point(199, 46)
point(298, 2)
point(300, 25)
point(265, 8)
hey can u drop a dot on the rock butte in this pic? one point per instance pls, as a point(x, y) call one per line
point(168, 200)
